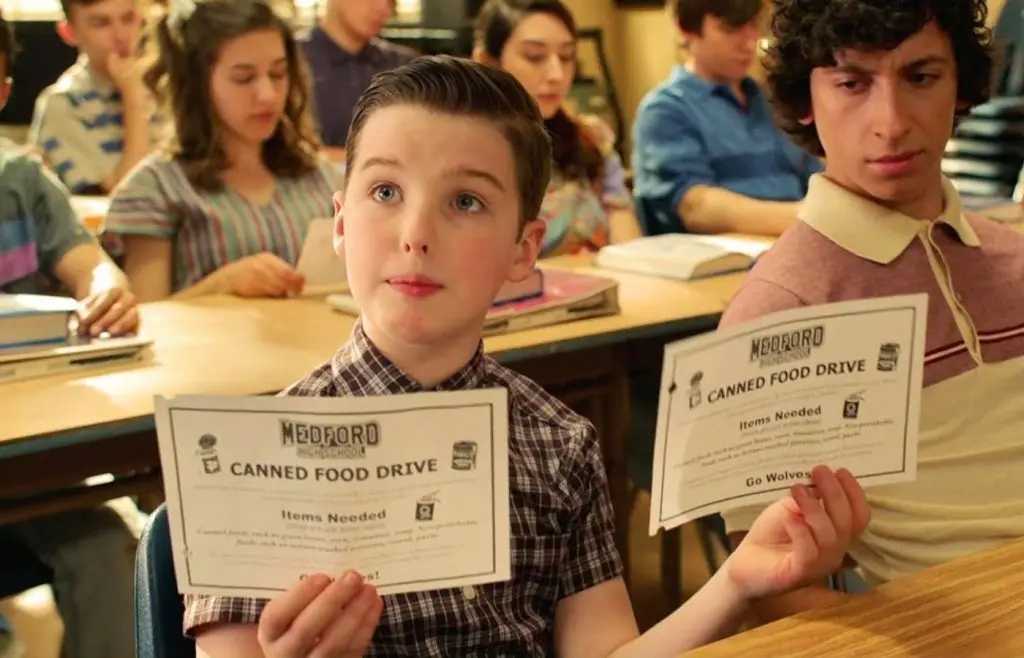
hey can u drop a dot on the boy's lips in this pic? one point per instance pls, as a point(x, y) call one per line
point(414, 285)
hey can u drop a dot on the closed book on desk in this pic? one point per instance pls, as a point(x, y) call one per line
point(682, 256)
point(27, 320)
point(567, 296)
point(78, 354)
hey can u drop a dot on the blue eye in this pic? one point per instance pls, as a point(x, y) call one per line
point(468, 203)
point(385, 193)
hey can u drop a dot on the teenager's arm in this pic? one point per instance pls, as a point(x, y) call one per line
point(709, 209)
point(136, 108)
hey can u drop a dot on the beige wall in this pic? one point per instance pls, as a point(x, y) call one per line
point(642, 46)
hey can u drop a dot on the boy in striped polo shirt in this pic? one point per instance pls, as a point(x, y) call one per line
point(96, 122)
point(875, 85)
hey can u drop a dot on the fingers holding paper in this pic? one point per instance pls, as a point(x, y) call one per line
point(321, 618)
point(802, 538)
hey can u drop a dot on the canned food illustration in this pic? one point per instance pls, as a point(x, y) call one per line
point(425, 510)
point(888, 357)
point(464, 455)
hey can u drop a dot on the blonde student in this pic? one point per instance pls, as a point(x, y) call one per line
point(587, 204)
point(448, 162)
point(225, 206)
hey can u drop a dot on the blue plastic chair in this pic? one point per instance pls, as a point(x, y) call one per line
point(159, 608)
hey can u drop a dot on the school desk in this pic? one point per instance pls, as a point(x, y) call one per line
point(968, 608)
point(58, 430)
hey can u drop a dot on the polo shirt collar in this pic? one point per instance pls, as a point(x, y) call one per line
point(869, 230)
point(104, 86)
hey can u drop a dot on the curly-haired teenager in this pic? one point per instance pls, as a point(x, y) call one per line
point(875, 86)
point(225, 208)
point(706, 155)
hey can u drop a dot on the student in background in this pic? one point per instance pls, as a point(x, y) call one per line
point(344, 53)
point(448, 163)
point(226, 206)
point(90, 551)
point(95, 123)
point(587, 205)
point(875, 86)
point(707, 157)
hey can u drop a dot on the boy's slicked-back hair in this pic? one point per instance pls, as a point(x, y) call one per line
point(690, 14)
point(808, 34)
point(183, 51)
point(8, 47)
point(463, 87)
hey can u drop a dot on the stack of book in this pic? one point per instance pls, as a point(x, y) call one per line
point(38, 338)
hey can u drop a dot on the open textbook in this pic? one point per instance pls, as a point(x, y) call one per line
point(745, 413)
point(683, 256)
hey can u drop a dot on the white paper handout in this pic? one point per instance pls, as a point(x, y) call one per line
point(745, 413)
point(319, 262)
point(412, 491)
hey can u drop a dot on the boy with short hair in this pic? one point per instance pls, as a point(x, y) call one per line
point(875, 86)
point(707, 157)
point(42, 242)
point(448, 163)
point(96, 121)
point(344, 53)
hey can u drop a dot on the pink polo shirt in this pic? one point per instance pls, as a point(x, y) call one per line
point(969, 494)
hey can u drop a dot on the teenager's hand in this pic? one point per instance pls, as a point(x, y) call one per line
point(114, 311)
point(321, 618)
point(802, 538)
point(125, 72)
point(261, 275)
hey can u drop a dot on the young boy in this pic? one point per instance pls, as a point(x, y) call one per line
point(875, 85)
point(449, 161)
point(707, 156)
point(344, 53)
point(42, 242)
point(94, 124)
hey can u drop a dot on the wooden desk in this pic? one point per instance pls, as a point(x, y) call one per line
point(969, 608)
point(228, 346)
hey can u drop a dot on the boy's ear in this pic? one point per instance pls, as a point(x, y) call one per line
point(5, 91)
point(339, 224)
point(527, 250)
point(66, 33)
point(481, 56)
point(807, 120)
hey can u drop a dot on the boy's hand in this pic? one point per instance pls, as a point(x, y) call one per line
point(321, 618)
point(125, 72)
point(114, 311)
point(800, 539)
point(262, 275)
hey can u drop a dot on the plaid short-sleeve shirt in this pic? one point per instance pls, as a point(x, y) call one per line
point(562, 525)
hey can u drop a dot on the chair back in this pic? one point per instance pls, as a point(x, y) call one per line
point(158, 606)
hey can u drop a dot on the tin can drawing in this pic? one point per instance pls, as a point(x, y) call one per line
point(208, 454)
point(425, 510)
point(464, 455)
point(888, 357)
point(851, 406)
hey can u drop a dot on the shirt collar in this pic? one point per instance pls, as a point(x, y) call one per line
point(93, 80)
point(692, 81)
point(338, 55)
point(379, 375)
point(868, 230)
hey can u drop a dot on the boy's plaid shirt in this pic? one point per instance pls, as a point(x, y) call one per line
point(563, 536)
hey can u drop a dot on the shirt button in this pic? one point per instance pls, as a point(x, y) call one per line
point(468, 592)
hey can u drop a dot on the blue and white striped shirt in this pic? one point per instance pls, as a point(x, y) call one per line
point(79, 124)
